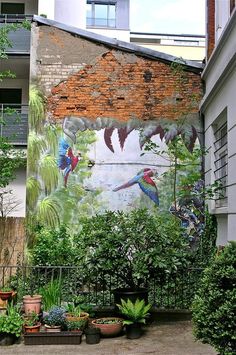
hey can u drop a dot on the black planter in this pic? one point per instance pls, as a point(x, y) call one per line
point(7, 339)
point(134, 331)
point(92, 335)
point(128, 293)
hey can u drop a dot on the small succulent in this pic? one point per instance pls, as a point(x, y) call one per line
point(56, 316)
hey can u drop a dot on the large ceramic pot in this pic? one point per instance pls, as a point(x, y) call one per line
point(32, 304)
point(128, 293)
point(109, 326)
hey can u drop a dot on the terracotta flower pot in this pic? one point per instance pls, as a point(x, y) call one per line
point(32, 304)
point(5, 295)
point(32, 328)
point(71, 317)
point(109, 329)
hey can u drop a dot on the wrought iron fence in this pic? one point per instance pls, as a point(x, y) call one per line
point(175, 292)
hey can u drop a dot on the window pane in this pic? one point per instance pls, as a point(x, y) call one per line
point(112, 12)
point(89, 11)
point(101, 11)
point(12, 8)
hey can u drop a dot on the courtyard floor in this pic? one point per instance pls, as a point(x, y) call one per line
point(173, 338)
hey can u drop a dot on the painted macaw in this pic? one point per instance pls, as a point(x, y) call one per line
point(67, 161)
point(146, 184)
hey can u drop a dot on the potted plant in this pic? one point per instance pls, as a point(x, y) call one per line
point(6, 293)
point(109, 326)
point(32, 303)
point(75, 313)
point(76, 325)
point(10, 325)
point(92, 335)
point(133, 248)
point(51, 294)
point(135, 314)
point(31, 323)
point(55, 319)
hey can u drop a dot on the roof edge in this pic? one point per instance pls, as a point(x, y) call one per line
point(114, 43)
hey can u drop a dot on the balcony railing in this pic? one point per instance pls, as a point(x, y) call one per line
point(175, 292)
point(14, 123)
point(14, 18)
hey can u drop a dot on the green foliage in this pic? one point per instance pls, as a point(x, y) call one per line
point(5, 289)
point(49, 173)
point(33, 189)
point(10, 160)
point(51, 294)
point(135, 246)
point(135, 312)
point(48, 212)
point(215, 303)
point(74, 311)
point(12, 322)
point(36, 108)
point(31, 319)
point(76, 324)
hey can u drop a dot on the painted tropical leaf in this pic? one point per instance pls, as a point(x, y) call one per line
point(48, 212)
point(49, 172)
point(36, 108)
point(107, 138)
point(189, 136)
point(36, 146)
point(33, 190)
point(51, 135)
point(123, 134)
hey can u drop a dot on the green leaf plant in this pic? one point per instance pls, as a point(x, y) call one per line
point(134, 312)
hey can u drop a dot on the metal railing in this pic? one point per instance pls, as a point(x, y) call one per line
point(14, 123)
point(176, 291)
point(15, 18)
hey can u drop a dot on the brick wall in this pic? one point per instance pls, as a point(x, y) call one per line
point(210, 26)
point(86, 79)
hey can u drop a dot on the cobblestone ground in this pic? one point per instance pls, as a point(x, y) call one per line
point(161, 339)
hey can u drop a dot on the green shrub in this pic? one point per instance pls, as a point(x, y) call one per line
point(214, 306)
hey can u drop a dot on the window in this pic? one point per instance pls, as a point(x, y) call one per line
point(221, 162)
point(12, 8)
point(101, 14)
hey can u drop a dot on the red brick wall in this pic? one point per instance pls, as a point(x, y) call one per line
point(210, 26)
point(123, 86)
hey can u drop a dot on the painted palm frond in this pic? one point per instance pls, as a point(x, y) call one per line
point(49, 172)
point(51, 135)
point(36, 108)
point(33, 190)
point(48, 212)
point(36, 146)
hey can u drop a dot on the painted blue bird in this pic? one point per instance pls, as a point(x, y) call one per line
point(146, 184)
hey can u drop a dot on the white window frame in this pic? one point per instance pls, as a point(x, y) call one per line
point(94, 18)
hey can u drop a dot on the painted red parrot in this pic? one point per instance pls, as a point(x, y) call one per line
point(145, 182)
point(67, 161)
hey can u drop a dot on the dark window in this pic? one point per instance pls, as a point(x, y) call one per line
point(101, 14)
point(12, 8)
point(10, 96)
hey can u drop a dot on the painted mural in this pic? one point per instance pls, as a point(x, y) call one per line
point(90, 151)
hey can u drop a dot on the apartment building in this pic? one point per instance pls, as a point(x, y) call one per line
point(219, 114)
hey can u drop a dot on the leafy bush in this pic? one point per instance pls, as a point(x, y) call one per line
point(12, 322)
point(53, 247)
point(134, 246)
point(214, 306)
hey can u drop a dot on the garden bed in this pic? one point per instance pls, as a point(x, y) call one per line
point(44, 338)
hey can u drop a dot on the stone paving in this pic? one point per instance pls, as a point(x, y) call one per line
point(173, 338)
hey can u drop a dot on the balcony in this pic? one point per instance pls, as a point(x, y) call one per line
point(14, 123)
point(20, 38)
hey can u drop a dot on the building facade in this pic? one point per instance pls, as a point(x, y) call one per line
point(219, 114)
